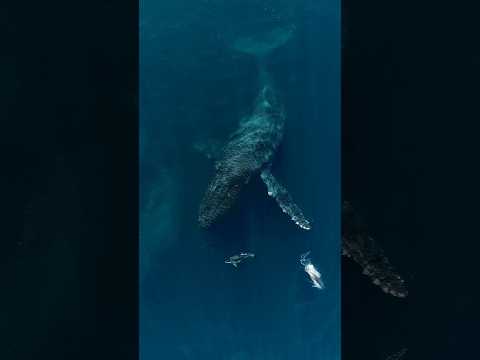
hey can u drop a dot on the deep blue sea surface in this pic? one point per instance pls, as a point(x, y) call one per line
point(194, 88)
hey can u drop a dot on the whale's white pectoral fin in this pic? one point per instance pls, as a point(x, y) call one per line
point(284, 200)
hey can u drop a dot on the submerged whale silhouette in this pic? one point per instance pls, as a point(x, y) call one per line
point(251, 148)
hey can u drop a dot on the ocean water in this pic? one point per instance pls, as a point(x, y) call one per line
point(194, 88)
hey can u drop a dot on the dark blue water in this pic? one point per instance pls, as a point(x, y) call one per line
point(194, 88)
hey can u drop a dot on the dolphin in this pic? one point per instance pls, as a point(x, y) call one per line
point(238, 258)
point(251, 147)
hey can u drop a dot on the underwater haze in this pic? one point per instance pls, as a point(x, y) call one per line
point(194, 89)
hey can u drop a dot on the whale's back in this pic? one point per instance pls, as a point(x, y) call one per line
point(250, 148)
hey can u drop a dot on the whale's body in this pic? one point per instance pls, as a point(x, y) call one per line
point(250, 149)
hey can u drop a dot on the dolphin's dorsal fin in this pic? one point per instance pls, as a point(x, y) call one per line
point(284, 200)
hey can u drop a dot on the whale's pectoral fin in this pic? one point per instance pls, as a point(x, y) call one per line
point(284, 200)
point(359, 246)
point(398, 355)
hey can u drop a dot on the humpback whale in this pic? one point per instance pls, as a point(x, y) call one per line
point(250, 151)
point(251, 148)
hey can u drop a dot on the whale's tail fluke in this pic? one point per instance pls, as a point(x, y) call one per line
point(261, 45)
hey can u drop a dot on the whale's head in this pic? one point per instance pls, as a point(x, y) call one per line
point(221, 195)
